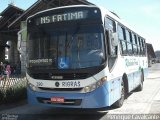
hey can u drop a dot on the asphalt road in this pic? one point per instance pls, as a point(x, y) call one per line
point(144, 102)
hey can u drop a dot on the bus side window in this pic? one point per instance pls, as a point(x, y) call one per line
point(122, 39)
point(144, 48)
point(129, 42)
point(140, 45)
point(134, 41)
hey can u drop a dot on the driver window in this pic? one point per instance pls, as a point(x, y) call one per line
point(110, 25)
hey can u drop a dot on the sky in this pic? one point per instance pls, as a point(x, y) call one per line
point(142, 15)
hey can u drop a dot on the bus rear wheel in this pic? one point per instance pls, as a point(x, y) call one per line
point(119, 103)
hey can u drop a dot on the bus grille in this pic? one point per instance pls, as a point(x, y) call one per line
point(65, 76)
point(61, 89)
point(75, 102)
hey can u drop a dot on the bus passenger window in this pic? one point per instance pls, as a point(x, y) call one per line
point(129, 42)
point(140, 46)
point(144, 47)
point(122, 38)
point(134, 41)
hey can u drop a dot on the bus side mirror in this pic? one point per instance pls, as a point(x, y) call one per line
point(21, 38)
point(114, 41)
point(19, 41)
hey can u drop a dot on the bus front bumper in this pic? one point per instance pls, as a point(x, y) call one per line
point(96, 99)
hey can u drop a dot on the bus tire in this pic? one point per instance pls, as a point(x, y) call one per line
point(140, 87)
point(119, 103)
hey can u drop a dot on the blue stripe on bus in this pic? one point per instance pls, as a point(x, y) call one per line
point(134, 79)
point(145, 72)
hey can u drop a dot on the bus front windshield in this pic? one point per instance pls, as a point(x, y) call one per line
point(67, 47)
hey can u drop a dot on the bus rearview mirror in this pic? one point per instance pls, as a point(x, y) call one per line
point(19, 41)
point(114, 40)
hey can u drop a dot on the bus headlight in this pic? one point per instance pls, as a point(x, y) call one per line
point(87, 89)
point(34, 88)
point(93, 86)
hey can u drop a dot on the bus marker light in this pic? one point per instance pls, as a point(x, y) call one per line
point(93, 87)
point(32, 87)
point(104, 79)
point(99, 83)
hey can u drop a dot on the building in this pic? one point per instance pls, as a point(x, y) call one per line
point(157, 56)
point(150, 53)
point(8, 37)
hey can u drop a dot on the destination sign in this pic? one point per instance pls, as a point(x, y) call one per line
point(76, 15)
point(40, 62)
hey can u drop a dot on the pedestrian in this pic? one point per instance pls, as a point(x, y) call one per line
point(8, 70)
point(1, 71)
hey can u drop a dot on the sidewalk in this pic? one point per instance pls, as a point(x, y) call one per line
point(155, 105)
point(156, 73)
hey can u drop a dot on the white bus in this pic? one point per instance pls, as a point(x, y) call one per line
point(82, 56)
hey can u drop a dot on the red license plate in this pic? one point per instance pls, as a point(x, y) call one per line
point(57, 99)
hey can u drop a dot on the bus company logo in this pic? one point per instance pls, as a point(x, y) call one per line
point(131, 62)
point(57, 84)
point(57, 77)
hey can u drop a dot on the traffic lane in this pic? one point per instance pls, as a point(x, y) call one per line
point(63, 117)
point(42, 113)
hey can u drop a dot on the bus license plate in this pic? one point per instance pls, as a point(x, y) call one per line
point(57, 99)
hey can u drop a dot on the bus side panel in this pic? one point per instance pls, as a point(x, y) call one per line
point(97, 99)
point(110, 93)
point(134, 80)
point(130, 82)
point(145, 71)
point(117, 89)
point(137, 78)
point(114, 90)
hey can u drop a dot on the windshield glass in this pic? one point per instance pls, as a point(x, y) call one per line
point(70, 47)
